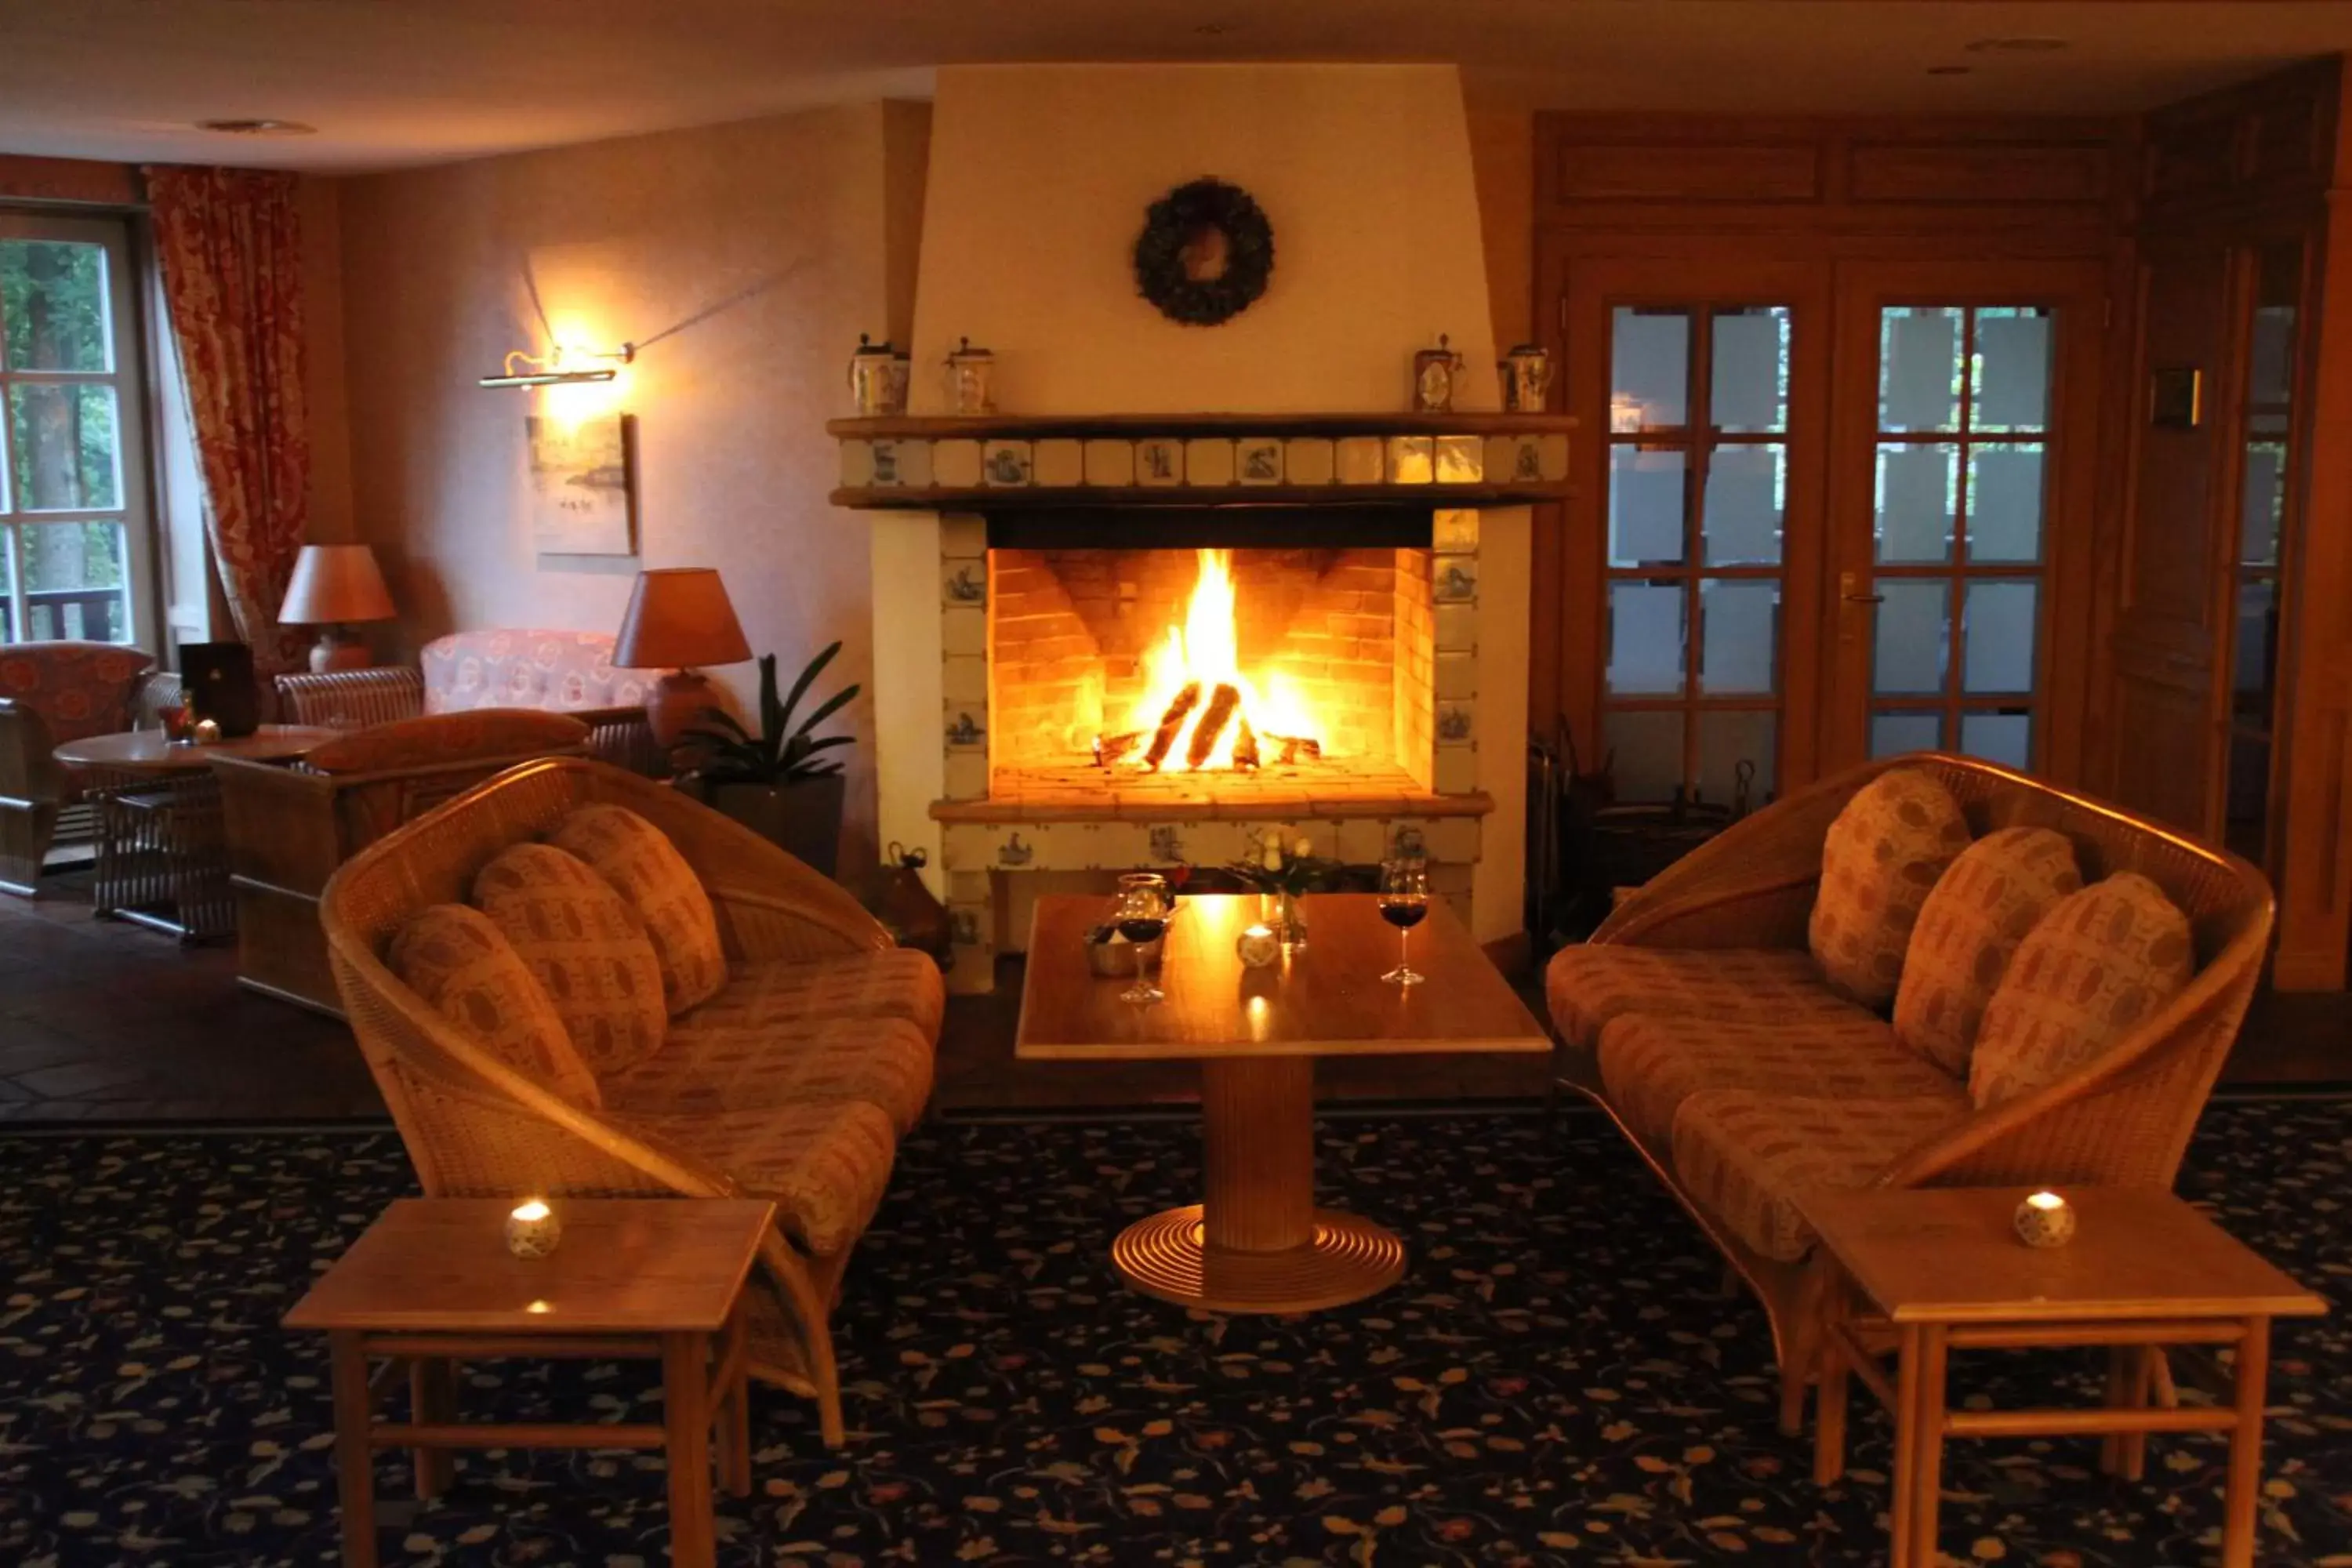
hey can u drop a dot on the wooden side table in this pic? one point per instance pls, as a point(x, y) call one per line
point(1944, 1270)
point(432, 1283)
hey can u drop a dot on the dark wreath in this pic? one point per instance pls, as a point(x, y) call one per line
point(1204, 254)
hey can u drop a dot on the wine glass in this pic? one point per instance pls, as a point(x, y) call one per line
point(1140, 914)
point(1404, 903)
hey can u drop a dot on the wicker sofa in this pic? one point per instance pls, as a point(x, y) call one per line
point(551, 671)
point(792, 1082)
point(1697, 1017)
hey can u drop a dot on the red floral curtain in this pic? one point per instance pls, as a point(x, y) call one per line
point(229, 244)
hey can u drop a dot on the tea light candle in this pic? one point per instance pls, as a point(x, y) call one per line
point(1258, 946)
point(2045, 1219)
point(205, 731)
point(533, 1230)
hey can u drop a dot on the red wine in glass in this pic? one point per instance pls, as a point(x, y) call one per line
point(1142, 931)
point(1141, 915)
point(1402, 915)
point(1405, 904)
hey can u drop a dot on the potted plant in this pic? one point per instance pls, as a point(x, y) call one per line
point(776, 782)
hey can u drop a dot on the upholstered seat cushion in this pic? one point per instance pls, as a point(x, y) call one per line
point(895, 983)
point(1995, 892)
point(586, 948)
point(1591, 984)
point(1650, 1065)
point(1880, 859)
point(1750, 1156)
point(2098, 965)
point(641, 865)
point(729, 1064)
point(824, 1165)
point(467, 971)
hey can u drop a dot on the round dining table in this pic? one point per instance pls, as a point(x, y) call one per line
point(163, 856)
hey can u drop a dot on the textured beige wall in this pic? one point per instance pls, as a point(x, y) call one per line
point(1503, 161)
point(745, 258)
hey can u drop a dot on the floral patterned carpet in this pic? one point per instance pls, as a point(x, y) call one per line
point(1556, 1381)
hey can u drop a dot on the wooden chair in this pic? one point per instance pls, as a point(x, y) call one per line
point(475, 1127)
point(289, 827)
point(2123, 1120)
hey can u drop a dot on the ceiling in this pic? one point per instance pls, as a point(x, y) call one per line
point(394, 82)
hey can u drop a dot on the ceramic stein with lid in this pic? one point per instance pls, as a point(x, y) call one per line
point(1526, 378)
point(878, 379)
point(1435, 373)
point(969, 374)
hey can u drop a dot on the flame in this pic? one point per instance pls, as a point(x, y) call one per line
point(1206, 652)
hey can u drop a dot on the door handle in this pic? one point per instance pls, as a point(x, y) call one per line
point(1850, 581)
point(1863, 598)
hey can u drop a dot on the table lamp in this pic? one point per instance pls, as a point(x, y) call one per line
point(679, 617)
point(333, 585)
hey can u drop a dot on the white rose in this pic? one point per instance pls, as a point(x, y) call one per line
point(1273, 856)
point(1304, 849)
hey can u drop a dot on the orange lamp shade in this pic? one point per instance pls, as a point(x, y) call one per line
point(334, 584)
point(679, 617)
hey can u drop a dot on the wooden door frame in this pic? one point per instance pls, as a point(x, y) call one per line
point(1588, 288)
point(2078, 288)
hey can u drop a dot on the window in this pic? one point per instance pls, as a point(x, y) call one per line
point(76, 533)
point(1697, 499)
point(1963, 434)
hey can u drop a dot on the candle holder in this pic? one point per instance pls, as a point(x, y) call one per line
point(1258, 947)
point(533, 1229)
point(2045, 1220)
point(205, 731)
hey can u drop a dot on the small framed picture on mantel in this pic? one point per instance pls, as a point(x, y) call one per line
point(584, 490)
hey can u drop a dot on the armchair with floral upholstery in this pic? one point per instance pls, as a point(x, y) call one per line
point(727, 1022)
point(1752, 1045)
point(50, 693)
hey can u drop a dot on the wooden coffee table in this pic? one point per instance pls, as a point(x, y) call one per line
point(1257, 1243)
point(1943, 1269)
point(432, 1283)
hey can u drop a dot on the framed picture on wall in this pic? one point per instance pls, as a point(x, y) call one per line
point(583, 484)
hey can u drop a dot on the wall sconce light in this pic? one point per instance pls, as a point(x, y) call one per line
point(560, 366)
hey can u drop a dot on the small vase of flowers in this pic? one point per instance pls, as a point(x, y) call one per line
point(1282, 875)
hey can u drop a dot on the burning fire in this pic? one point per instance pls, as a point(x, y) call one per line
point(1199, 710)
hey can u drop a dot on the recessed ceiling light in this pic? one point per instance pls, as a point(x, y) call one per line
point(2029, 44)
point(1949, 70)
point(258, 127)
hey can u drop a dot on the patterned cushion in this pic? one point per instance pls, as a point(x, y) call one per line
point(2097, 966)
point(438, 738)
point(856, 1028)
point(78, 689)
point(1970, 926)
point(1750, 1157)
point(824, 1165)
point(557, 671)
point(1588, 985)
point(1649, 1066)
point(588, 950)
point(467, 972)
point(645, 868)
point(1882, 854)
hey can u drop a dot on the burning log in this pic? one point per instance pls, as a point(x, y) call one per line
point(1171, 724)
point(1109, 749)
point(1223, 702)
point(1245, 749)
point(1298, 748)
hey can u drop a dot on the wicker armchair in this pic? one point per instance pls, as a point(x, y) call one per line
point(51, 693)
point(474, 1127)
point(2123, 1119)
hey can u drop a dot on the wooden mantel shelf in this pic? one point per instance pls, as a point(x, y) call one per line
point(1002, 462)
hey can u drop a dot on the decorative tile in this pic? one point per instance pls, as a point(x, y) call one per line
point(1453, 531)
point(963, 537)
point(1454, 838)
point(1017, 849)
point(1362, 460)
point(967, 728)
point(1159, 461)
point(1460, 459)
point(963, 630)
point(968, 848)
point(1456, 676)
point(901, 462)
point(1209, 461)
point(963, 583)
point(1060, 463)
point(1007, 463)
point(856, 464)
point(1455, 581)
point(1362, 841)
point(968, 887)
point(1164, 843)
point(1257, 460)
point(1308, 460)
point(1553, 456)
point(1457, 628)
point(955, 465)
point(1407, 838)
point(1456, 724)
point(1457, 770)
point(963, 678)
point(1452, 878)
point(1119, 846)
point(1413, 459)
point(1110, 463)
point(967, 776)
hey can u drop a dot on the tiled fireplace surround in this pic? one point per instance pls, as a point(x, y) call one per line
point(1384, 639)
